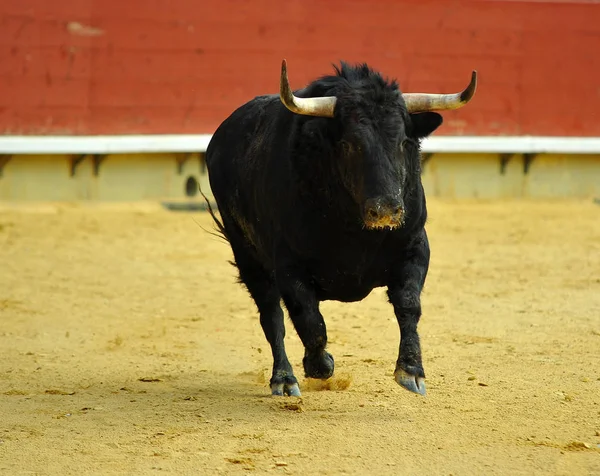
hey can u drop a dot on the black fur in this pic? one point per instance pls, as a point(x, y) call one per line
point(294, 192)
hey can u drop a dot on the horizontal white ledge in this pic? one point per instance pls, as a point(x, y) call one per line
point(122, 144)
point(512, 144)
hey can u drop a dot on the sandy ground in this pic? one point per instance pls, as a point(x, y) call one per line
point(127, 347)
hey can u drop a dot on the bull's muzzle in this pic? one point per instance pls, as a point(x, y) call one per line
point(383, 212)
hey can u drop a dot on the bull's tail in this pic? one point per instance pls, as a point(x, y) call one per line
point(218, 223)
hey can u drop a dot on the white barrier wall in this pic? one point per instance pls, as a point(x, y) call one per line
point(131, 168)
point(168, 176)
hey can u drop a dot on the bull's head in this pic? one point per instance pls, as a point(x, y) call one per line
point(378, 136)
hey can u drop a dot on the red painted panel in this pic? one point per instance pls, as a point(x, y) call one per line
point(45, 91)
point(45, 120)
point(158, 66)
point(34, 62)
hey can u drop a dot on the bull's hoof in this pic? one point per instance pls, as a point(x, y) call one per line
point(410, 382)
point(281, 389)
point(283, 382)
point(320, 366)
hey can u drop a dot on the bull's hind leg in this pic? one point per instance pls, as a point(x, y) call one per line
point(283, 381)
point(267, 298)
point(303, 307)
point(405, 294)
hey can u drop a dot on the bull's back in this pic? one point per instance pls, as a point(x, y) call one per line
point(239, 162)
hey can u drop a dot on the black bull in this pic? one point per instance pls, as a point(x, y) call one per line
point(320, 197)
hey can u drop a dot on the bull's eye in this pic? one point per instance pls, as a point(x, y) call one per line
point(350, 148)
point(403, 145)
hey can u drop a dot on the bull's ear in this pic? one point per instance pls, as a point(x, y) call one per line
point(424, 123)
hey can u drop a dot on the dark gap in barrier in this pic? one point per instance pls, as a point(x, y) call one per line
point(191, 186)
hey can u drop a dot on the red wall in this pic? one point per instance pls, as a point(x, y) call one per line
point(181, 66)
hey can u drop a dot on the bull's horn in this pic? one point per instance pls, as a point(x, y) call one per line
point(420, 102)
point(319, 106)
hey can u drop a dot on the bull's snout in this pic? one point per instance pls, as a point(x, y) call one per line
point(383, 212)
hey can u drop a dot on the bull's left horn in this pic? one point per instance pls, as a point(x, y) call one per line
point(319, 106)
point(421, 102)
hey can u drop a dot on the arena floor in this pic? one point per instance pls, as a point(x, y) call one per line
point(126, 346)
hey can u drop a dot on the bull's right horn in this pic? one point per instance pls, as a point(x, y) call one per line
point(421, 102)
point(319, 106)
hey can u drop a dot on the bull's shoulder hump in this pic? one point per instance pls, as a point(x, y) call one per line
point(267, 98)
point(252, 110)
point(260, 102)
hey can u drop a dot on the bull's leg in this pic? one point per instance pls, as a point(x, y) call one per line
point(283, 380)
point(404, 292)
point(267, 299)
point(261, 286)
point(303, 307)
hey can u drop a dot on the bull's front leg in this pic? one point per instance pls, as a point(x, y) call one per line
point(303, 307)
point(404, 292)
